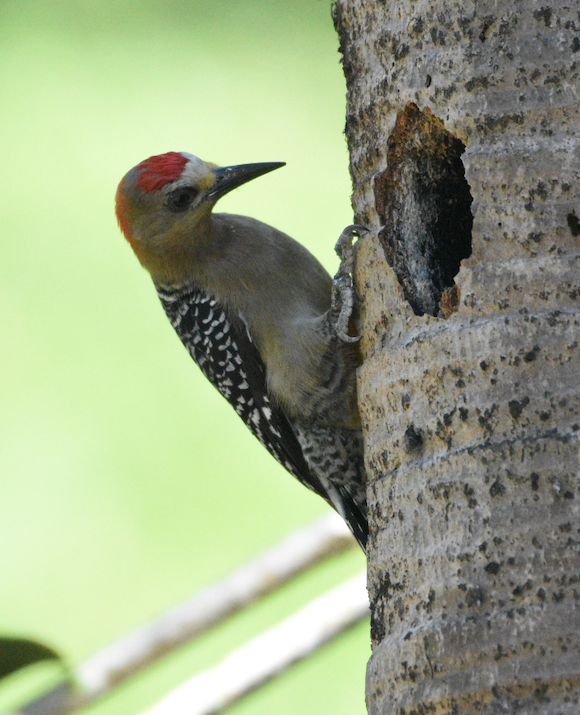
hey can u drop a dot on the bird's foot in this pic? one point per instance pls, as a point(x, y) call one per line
point(343, 293)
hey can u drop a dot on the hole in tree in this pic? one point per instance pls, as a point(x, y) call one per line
point(424, 203)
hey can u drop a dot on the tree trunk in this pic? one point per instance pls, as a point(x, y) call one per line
point(463, 127)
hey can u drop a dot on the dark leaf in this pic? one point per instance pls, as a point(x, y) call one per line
point(17, 653)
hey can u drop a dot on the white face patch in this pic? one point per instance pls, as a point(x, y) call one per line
point(196, 173)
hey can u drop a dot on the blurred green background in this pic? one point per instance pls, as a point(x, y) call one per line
point(126, 482)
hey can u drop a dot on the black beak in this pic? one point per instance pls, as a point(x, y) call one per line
point(230, 177)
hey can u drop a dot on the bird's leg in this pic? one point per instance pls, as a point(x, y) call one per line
point(343, 294)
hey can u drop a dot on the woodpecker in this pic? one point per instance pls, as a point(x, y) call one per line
point(254, 309)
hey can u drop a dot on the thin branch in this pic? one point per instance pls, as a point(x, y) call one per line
point(120, 660)
point(267, 655)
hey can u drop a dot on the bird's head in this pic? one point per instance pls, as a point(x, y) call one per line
point(163, 206)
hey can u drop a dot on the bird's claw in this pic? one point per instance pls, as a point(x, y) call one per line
point(343, 295)
point(344, 248)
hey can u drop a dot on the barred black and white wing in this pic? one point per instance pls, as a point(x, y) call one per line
point(231, 362)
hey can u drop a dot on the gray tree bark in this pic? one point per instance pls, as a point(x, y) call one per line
point(463, 127)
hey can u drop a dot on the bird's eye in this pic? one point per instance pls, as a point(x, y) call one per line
point(181, 199)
